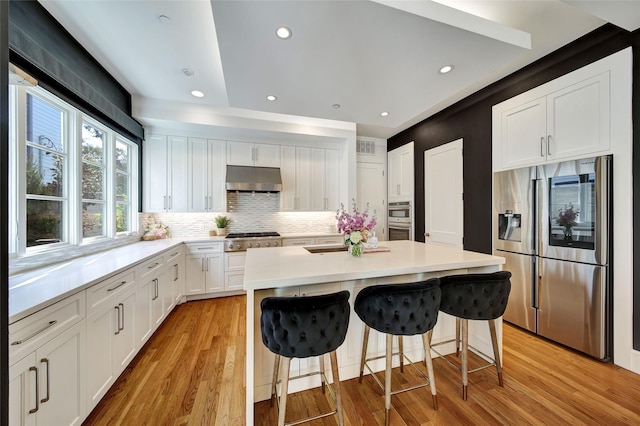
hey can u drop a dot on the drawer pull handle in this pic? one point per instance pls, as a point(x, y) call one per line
point(116, 287)
point(31, 336)
point(205, 248)
point(35, 410)
point(173, 254)
point(46, 361)
point(153, 266)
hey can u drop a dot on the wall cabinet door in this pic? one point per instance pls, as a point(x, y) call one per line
point(578, 119)
point(206, 173)
point(253, 154)
point(400, 183)
point(325, 179)
point(165, 174)
point(523, 130)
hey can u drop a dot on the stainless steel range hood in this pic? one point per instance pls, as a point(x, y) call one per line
point(258, 179)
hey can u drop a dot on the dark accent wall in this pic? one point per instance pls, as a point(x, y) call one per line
point(4, 214)
point(470, 119)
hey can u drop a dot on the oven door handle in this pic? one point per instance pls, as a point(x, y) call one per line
point(400, 226)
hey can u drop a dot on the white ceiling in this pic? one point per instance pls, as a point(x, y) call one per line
point(366, 56)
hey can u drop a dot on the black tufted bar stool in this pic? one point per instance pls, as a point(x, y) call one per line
point(481, 297)
point(399, 310)
point(302, 327)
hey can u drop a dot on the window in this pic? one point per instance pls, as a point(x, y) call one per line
point(46, 169)
point(74, 182)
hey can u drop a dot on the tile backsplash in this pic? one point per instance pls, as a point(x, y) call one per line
point(249, 212)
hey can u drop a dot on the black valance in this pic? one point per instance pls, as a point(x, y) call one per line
point(42, 47)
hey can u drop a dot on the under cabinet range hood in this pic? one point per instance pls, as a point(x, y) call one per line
point(249, 178)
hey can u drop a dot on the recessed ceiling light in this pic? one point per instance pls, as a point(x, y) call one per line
point(384, 113)
point(271, 98)
point(336, 106)
point(446, 69)
point(283, 33)
point(188, 72)
point(197, 94)
point(164, 19)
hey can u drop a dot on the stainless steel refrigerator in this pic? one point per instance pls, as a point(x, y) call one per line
point(552, 223)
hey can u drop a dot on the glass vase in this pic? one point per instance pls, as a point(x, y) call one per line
point(356, 249)
point(568, 233)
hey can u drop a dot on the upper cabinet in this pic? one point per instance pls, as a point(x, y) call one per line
point(400, 164)
point(165, 174)
point(206, 190)
point(565, 124)
point(310, 179)
point(580, 114)
point(253, 154)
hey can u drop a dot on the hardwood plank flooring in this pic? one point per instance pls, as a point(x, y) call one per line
point(191, 372)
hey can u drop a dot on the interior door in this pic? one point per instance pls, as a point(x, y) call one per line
point(443, 190)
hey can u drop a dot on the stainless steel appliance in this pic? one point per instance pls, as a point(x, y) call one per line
point(246, 240)
point(552, 224)
point(399, 221)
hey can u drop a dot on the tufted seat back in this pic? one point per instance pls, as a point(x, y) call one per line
point(301, 327)
point(400, 309)
point(476, 296)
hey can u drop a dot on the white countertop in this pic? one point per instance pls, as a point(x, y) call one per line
point(291, 266)
point(33, 290)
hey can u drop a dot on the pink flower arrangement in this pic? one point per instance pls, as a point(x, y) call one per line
point(568, 217)
point(355, 226)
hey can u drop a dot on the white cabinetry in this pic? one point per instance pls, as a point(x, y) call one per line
point(206, 192)
point(252, 154)
point(204, 268)
point(234, 271)
point(150, 298)
point(570, 122)
point(310, 178)
point(165, 174)
point(325, 179)
point(400, 183)
point(111, 337)
point(46, 366)
point(296, 178)
point(310, 241)
point(176, 272)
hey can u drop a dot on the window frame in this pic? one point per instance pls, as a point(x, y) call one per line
point(71, 128)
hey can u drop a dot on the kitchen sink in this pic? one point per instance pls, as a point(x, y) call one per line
point(326, 248)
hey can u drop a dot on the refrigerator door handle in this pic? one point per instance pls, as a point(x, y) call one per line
point(536, 279)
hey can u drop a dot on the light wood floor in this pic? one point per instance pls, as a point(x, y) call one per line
point(192, 372)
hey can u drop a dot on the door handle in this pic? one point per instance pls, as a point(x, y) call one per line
point(34, 410)
point(121, 328)
point(542, 146)
point(426, 234)
point(46, 361)
point(549, 145)
point(117, 308)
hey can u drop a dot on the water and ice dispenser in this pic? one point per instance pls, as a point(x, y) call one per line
point(509, 226)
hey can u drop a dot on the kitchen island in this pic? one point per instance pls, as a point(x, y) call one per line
point(290, 271)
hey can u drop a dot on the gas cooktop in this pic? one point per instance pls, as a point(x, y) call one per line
point(253, 235)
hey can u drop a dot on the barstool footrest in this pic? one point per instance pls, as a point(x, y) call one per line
point(377, 380)
point(490, 361)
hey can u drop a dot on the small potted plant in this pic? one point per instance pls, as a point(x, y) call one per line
point(221, 224)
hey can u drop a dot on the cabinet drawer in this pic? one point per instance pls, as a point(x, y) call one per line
point(173, 254)
point(288, 242)
point(102, 292)
point(204, 248)
point(151, 267)
point(338, 239)
point(35, 330)
point(234, 261)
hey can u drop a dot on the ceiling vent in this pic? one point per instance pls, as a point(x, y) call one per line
point(366, 146)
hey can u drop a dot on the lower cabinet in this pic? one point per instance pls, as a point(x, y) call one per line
point(204, 269)
point(46, 387)
point(234, 271)
point(111, 343)
point(310, 241)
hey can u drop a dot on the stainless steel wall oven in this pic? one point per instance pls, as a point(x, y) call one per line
point(400, 221)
